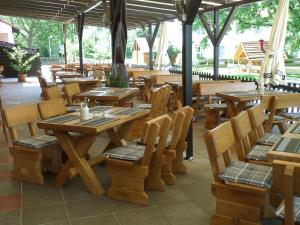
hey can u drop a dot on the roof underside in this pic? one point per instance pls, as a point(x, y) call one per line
point(139, 12)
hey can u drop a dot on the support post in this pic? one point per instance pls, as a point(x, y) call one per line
point(216, 35)
point(65, 42)
point(187, 80)
point(216, 44)
point(150, 37)
point(80, 21)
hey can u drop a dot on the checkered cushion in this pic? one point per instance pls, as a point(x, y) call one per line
point(144, 106)
point(37, 142)
point(132, 152)
point(259, 152)
point(292, 116)
point(168, 141)
point(247, 173)
point(281, 214)
point(269, 139)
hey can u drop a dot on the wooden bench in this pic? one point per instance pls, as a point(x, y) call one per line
point(214, 111)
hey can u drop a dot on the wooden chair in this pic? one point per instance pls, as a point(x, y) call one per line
point(286, 180)
point(44, 84)
point(31, 155)
point(71, 90)
point(2, 121)
point(130, 168)
point(51, 108)
point(242, 197)
point(52, 92)
point(257, 119)
point(176, 145)
point(247, 150)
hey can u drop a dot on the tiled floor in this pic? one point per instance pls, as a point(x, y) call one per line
point(189, 202)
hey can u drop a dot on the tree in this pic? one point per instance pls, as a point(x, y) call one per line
point(261, 14)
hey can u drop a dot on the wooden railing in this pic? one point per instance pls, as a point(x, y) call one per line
point(291, 87)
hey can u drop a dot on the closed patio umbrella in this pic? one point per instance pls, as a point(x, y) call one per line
point(162, 58)
point(273, 68)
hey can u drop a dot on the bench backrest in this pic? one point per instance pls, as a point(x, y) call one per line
point(53, 107)
point(211, 88)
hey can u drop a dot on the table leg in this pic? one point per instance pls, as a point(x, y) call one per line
point(230, 108)
point(240, 107)
point(76, 159)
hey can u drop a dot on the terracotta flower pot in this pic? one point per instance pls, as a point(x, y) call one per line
point(22, 77)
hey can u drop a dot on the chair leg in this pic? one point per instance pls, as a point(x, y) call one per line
point(178, 164)
point(166, 171)
point(153, 180)
point(127, 184)
point(27, 166)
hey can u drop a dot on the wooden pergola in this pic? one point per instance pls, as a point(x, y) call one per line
point(139, 13)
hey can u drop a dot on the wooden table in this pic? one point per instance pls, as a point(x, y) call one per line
point(85, 83)
point(68, 74)
point(237, 100)
point(288, 147)
point(108, 95)
point(116, 122)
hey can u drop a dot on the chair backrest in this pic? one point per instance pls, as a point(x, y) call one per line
point(161, 79)
point(42, 81)
point(177, 122)
point(287, 100)
point(53, 107)
point(52, 93)
point(286, 180)
point(257, 118)
point(166, 92)
point(71, 90)
point(20, 115)
point(242, 130)
point(155, 128)
point(211, 88)
point(188, 117)
point(219, 141)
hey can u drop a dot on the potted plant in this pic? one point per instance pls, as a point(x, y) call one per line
point(173, 53)
point(21, 62)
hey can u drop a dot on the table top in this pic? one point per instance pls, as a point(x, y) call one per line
point(288, 147)
point(102, 118)
point(108, 93)
point(68, 74)
point(248, 95)
point(84, 80)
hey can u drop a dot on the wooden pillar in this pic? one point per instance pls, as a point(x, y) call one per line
point(80, 25)
point(65, 41)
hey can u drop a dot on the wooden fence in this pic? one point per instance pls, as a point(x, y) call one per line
point(291, 87)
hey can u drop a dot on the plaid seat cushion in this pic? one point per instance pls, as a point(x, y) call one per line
point(36, 142)
point(131, 152)
point(144, 106)
point(292, 116)
point(269, 139)
point(168, 141)
point(281, 214)
point(259, 152)
point(247, 173)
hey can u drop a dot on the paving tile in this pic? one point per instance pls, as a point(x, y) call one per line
point(184, 213)
point(5, 158)
point(10, 202)
point(85, 208)
point(120, 206)
point(59, 223)
point(30, 187)
point(172, 194)
point(148, 216)
point(44, 214)
point(10, 217)
point(108, 219)
point(76, 190)
point(8, 187)
point(42, 197)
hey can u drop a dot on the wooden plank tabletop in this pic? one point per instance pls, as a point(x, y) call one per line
point(81, 80)
point(108, 94)
point(101, 118)
point(288, 147)
point(240, 96)
point(68, 74)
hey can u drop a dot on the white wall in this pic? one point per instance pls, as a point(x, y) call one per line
point(6, 33)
